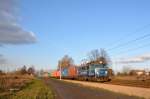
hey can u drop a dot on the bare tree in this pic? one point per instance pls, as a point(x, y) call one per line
point(31, 70)
point(23, 70)
point(99, 57)
point(66, 61)
point(84, 62)
point(94, 55)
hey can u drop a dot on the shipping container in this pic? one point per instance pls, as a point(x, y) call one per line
point(58, 74)
point(64, 72)
point(72, 72)
point(54, 74)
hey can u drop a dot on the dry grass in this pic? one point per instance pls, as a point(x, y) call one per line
point(17, 86)
point(133, 77)
point(10, 82)
point(130, 81)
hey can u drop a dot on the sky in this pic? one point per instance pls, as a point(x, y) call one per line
point(40, 32)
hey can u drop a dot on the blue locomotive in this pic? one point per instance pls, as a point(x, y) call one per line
point(94, 72)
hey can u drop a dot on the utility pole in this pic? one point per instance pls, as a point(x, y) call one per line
point(60, 72)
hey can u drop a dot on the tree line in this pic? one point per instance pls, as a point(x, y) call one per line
point(93, 57)
point(25, 70)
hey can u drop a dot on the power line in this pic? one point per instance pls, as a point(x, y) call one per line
point(132, 49)
point(131, 41)
point(129, 34)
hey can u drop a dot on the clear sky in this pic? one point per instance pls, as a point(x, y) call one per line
point(75, 27)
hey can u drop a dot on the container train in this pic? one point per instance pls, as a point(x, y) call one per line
point(91, 72)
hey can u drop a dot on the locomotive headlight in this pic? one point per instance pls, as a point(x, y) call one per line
point(97, 73)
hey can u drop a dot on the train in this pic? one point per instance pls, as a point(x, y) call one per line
point(90, 72)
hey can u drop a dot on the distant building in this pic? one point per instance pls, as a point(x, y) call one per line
point(147, 73)
point(45, 74)
point(137, 72)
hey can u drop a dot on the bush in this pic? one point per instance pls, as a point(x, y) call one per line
point(2, 84)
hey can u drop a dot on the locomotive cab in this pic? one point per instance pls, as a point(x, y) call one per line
point(101, 72)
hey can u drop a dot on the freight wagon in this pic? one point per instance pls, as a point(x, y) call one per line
point(55, 74)
point(72, 72)
point(69, 73)
point(64, 73)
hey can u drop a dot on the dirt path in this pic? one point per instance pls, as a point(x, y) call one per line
point(65, 90)
point(131, 91)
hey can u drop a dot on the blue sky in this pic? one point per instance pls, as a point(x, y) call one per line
point(75, 27)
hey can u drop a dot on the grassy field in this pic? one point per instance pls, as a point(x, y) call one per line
point(34, 90)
